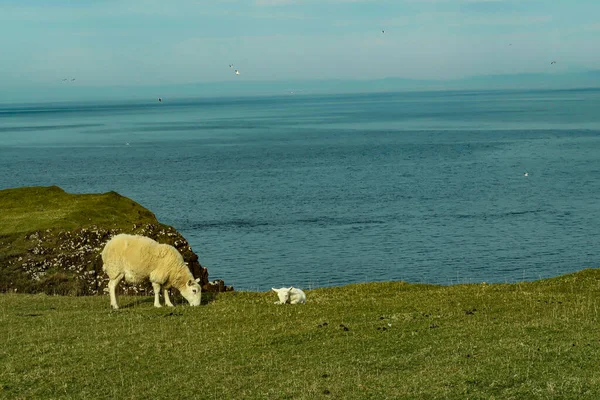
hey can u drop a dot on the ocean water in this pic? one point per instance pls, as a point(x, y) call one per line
point(316, 191)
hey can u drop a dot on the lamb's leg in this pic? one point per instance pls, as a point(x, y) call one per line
point(156, 287)
point(167, 299)
point(112, 286)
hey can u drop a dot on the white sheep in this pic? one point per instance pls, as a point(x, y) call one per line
point(137, 258)
point(290, 295)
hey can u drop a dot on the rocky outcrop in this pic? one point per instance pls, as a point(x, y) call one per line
point(69, 262)
point(50, 240)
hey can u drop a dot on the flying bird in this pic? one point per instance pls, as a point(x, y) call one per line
point(553, 62)
point(382, 31)
point(526, 174)
point(230, 65)
point(73, 79)
point(237, 72)
point(160, 99)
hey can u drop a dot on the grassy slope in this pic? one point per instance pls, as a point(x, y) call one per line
point(528, 340)
point(29, 209)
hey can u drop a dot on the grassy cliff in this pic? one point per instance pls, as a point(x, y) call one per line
point(50, 240)
point(32, 209)
point(394, 340)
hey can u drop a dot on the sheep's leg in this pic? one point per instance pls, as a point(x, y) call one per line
point(167, 299)
point(156, 287)
point(112, 286)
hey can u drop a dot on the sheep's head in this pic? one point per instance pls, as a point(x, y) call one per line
point(192, 292)
point(283, 294)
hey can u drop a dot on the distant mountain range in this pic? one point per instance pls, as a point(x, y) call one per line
point(555, 80)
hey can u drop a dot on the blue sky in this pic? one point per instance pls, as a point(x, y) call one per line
point(149, 42)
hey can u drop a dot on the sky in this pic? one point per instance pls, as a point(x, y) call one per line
point(151, 42)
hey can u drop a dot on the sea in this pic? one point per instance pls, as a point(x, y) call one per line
point(441, 187)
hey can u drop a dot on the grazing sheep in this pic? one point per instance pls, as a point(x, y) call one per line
point(137, 258)
point(290, 295)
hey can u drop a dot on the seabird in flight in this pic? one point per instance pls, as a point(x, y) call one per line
point(237, 72)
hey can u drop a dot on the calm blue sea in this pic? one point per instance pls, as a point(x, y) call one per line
point(316, 191)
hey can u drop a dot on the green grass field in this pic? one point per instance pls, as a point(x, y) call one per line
point(379, 340)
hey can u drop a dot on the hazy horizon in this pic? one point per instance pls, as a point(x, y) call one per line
point(173, 92)
point(141, 43)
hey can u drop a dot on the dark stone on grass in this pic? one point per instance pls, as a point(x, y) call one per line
point(173, 314)
point(326, 391)
point(433, 326)
point(325, 376)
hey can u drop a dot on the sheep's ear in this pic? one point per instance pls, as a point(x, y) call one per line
point(290, 288)
point(198, 280)
point(190, 283)
point(275, 290)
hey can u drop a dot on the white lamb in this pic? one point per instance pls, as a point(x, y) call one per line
point(137, 258)
point(290, 295)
